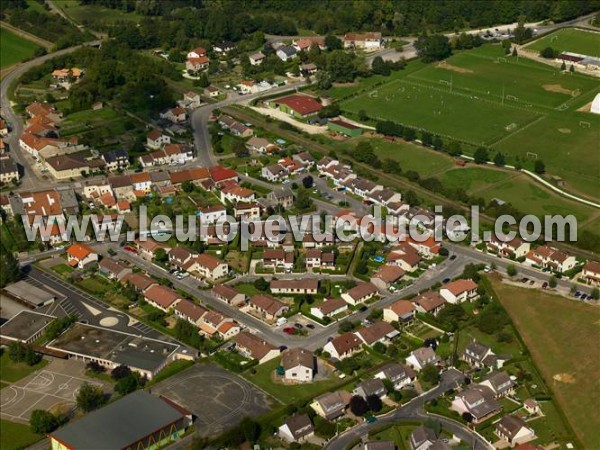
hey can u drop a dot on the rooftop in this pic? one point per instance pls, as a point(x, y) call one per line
point(25, 325)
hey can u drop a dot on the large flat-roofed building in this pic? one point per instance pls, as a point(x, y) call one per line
point(29, 294)
point(138, 420)
point(25, 327)
point(111, 348)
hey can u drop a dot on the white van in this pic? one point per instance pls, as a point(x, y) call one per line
point(281, 321)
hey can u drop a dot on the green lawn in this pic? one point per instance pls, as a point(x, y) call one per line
point(399, 434)
point(569, 40)
point(63, 270)
point(550, 428)
point(473, 179)
point(11, 371)
point(14, 49)
point(96, 16)
point(94, 285)
point(16, 435)
point(561, 351)
point(289, 393)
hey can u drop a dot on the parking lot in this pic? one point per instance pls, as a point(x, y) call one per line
point(218, 399)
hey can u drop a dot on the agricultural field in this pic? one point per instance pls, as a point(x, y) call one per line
point(14, 49)
point(520, 107)
point(96, 16)
point(569, 40)
point(561, 351)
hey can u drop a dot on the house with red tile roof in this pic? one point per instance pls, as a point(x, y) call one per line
point(81, 256)
point(228, 295)
point(156, 139)
point(207, 266)
point(297, 105)
point(267, 306)
point(430, 302)
point(161, 297)
point(236, 194)
point(343, 346)
point(329, 308)
point(459, 291)
point(189, 311)
point(548, 257)
point(360, 293)
point(386, 275)
point(197, 64)
point(401, 311)
point(591, 273)
point(253, 347)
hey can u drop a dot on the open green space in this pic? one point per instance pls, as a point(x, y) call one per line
point(16, 435)
point(561, 335)
point(262, 376)
point(96, 16)
point(14, 49)
point(569, 40)
point(12, 371)
point(474, 179)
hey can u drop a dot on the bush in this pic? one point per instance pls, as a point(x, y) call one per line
point(42, 422)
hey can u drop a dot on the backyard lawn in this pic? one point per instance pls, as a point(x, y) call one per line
point(562, 335)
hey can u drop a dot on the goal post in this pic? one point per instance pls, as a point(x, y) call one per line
point(532, 155)
point(584, 124)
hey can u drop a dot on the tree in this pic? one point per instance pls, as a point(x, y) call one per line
point(430, 374)
point(438, 144)
point(362, 115)
point(307, 181)
point(120, 372)
point(511, 270)
point(303, 201)
point(31, 356)
point(514, 52)
point(358, 405)
point(454, 148)
point(433, 48)
point(380, 67)
point(341, 66)
point(374, 403)
point(563, 66)
point(250, 429)
point(595, 293)
point(89, 397)
point(127, 384)
point(539, 167)
point(552, 282)
point(332, 42)
point(345, 326)
point(548, 53)
point(499, 160)
point(93, 366)
point(187, 186)
point(9, 267)
point(42, 422)
point(261, 284)
point(160, 255)
point(572, 68)
point(323, 80)
point(467, 417)
point(481, 155)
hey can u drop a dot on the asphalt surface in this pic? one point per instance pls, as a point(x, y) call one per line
point(414, 410)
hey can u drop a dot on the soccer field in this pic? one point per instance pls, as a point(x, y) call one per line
point(14, 49)
point(523, 108)
point(570, 40)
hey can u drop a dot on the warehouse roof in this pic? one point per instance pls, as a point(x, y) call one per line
point(120, 424)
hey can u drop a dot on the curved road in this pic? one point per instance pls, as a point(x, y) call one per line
point(30, 178)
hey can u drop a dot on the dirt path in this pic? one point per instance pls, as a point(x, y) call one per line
point(280, 115)
point(24, 34)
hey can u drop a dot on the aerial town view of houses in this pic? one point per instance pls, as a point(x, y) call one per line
point(443, 158)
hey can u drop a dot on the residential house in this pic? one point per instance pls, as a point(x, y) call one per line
point(401, 311)
point(278, 258)
point(207, 266)
point(257, 145)
point(308, 69)
point(156, 139)
point(282, 196)
point(316, 258)
point(428, 248)
point(532, 406)
point(459, 291)
point(297, 428)
point(191, 100)
point(515, 248)
point(122, 187)
point(422, 438)
point(196, 53)
point(211, 214)
point(112, 269)
point(161, 297)
point(274, 172)
point(329, 308)
point(216, 324)
point(331, 405)
point(549, 257)
point(367, 388)
point(386, 275)
point(9, 171)
point(237, 194)
point(343, 346)
point(228, 295)
point(591, 273)
point(81, 256)
point(147, 248)
point(378, 332)
point(399, 374)
point(422, 357)
point(475, 354)
point(429, 302)
point(286, 53)
point(256, 59)
point(405, 257)
point(141, 182)
point(304, 44)
point(267, 306)
point(140, 282)
point(211, 91)
point(189, 311)
point(248, 211)
point(304, 158)
point(514, 430)
point(223, 47)
point(500, 384)
point(197, 64)
point(178, 256)
point(116, 159)
point(368, 41)
point(251, 346)
point(478, 401)
point(240, 130)
point(384, 197)
point(65, 167)
point(298, 364)
point(175, 115)
point(326, 162)
point(360, 293)
point(295, 287)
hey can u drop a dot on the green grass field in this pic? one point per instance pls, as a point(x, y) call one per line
point(96, 16)
point(474, 179)
point(561, 335)
point(11, 371)
point(14, 49)
point(16, 435)
point(570, 40)
point(540, 115)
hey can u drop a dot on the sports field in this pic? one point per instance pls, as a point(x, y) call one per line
point(563, 337)
point(570, 40)
point(14, 49)
point(523, 108)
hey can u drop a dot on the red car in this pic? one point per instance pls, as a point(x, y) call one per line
point(289, 330)
point(130, 249)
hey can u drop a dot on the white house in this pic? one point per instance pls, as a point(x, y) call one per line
point(80, 256)
point(329, 308)
point(343, 346)
point(399, 374)
point(298, 364)
point(459, 291)
point(297, 428)
point(210, 214)
point(256, 59)
point(360, 293)
point(421, 357)
point(514, 430)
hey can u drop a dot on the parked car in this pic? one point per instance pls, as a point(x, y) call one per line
point(452, 258)
point(446, 280)
point(310, 325)
point(298, 326)
point(545, 285)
